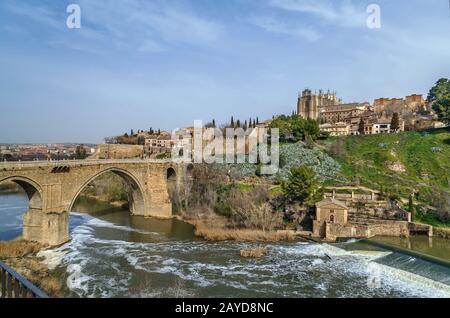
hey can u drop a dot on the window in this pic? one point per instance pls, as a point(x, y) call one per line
point(332, 218)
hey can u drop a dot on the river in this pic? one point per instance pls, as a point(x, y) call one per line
point(113, 254)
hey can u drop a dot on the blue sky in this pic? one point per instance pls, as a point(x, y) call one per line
point(163, 64)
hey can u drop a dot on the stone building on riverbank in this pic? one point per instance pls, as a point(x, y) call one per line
point(356, 212)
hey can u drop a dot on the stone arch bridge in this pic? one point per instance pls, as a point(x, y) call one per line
point(52, 188)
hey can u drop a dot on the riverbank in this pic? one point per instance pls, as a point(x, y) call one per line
point(9, 188)
point(441, 232)
point(22, 257)
point(216, 230)
point(113, 203)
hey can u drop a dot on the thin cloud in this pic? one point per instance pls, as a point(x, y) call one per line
point(340, 12)
point(37, 13)
point(143, 26)
point(153, 25)
point(150, 46)
point(275, 26)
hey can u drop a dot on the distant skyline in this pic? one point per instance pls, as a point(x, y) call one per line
point(136, 64)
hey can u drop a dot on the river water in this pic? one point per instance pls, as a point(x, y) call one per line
point(113, 254)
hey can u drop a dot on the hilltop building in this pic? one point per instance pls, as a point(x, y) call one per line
point(310, 104)
point(410, 104)
point(339, 119)
point(342, 112)
point(165, 142)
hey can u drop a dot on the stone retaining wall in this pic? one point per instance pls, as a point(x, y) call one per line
point(381, 228)
point(117, 152)
point(444, 233)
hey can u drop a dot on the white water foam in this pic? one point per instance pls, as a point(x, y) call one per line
point(289, 270)
point(105, 224)
point(52, 258)
point(425, 286)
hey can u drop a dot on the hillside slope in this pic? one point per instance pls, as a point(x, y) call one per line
point(398, 164)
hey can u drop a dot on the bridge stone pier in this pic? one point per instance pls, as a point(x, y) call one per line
point(53, 187)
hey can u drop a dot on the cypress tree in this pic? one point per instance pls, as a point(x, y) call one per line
point(232, 122)
point(411, 207)
point(395, 123)
point(362, 127)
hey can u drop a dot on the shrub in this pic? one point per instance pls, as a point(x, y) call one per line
point(295, 155)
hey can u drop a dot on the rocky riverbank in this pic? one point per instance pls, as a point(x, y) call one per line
point(22, 257)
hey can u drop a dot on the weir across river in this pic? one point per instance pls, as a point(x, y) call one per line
point(53, 186)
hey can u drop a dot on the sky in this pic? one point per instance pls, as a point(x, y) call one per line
point(136, 64)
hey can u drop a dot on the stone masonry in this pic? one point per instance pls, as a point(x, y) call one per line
point(53, 187)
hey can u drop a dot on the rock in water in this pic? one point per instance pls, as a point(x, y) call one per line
point(255, 253)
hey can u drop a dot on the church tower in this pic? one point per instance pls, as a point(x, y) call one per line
point(309, 104)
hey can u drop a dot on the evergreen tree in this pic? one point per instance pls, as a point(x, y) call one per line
point(214, 123)
point(80, 152)
point(232, 122)
point(395, 123)
point(254, 123)
point(238, 123)
point(439, 97)
point(361, 127)
point(411, 207)
point(257, 120)
point(302, 187)
point(245, 125)
point(132, 132)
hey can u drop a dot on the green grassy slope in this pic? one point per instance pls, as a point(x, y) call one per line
point(425, 157)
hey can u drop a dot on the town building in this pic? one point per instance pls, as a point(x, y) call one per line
point(166, 142)
point(410, 104)
point(309, 104)
point(422, 122)
point(342, 112)
point(336, 129)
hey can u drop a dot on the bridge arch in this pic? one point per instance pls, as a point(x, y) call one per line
point(171, 174)
point(31, 188)
point(136, 197)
